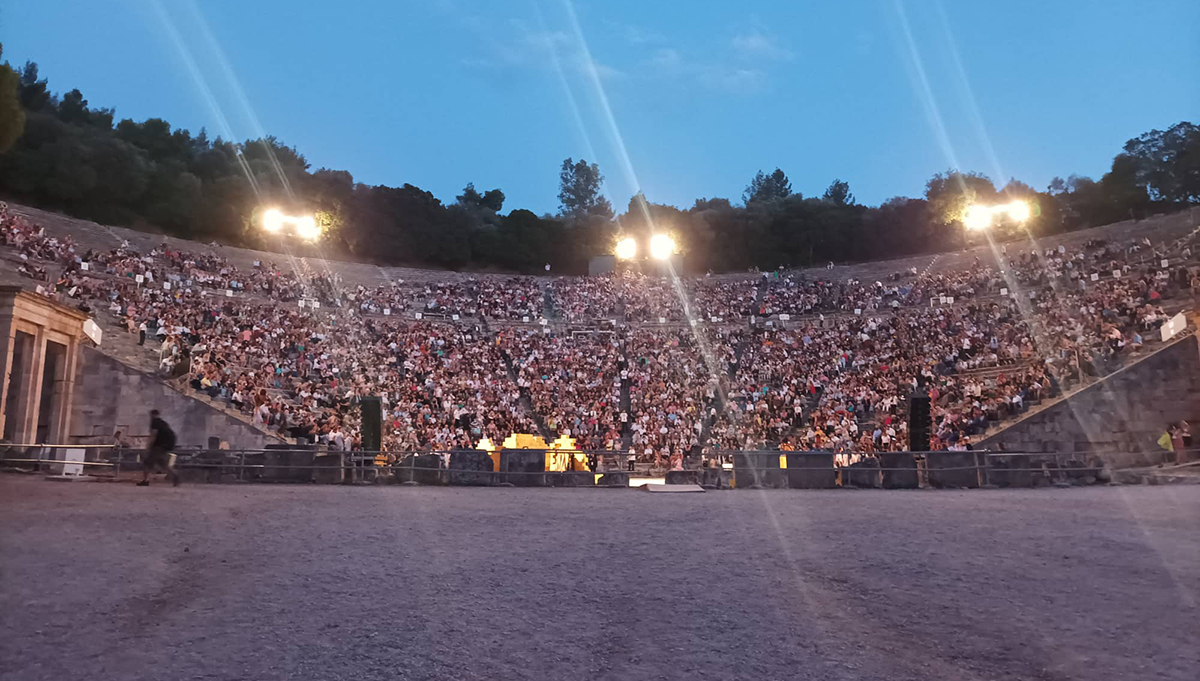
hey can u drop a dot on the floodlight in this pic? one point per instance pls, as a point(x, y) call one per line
point(307, 229)
point(627, 248)
point(272, 220)
point(661, 246)
point(978, 217)
point(1019, 211)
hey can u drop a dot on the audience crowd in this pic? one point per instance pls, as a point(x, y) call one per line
point(984, 342)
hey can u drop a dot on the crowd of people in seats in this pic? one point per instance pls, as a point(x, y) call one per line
point(583, 300)
point(723, 298)
point(511, 298)
point(985, 342)
point(638, 298)
point(843, 383)
point(574, 382)
point(676, 377)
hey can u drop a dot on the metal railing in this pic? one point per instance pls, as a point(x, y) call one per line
point(309, 464)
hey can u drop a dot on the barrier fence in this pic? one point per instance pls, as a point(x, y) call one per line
point(525, 467)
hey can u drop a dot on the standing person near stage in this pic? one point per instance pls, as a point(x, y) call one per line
point(162, 441)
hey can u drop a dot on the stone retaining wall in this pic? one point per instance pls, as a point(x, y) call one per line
point(111, 396)
point(1120, 418)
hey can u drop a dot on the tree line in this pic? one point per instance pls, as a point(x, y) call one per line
point(58, 152)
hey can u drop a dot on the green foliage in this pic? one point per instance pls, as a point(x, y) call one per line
point(12, 114)
point(579, 191)
point(838, 193)
point(765, 189)
point(1165, 163)
point(61, 153)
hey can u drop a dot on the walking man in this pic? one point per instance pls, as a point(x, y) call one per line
point(159, 456)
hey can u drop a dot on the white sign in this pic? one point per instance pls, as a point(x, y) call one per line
point(1173, 326)
point(315, 305)
point(139, 279)
point(228, 293)
point(84, 266)
point(256, 263)
point(785, 317)
point(92, 330)
point(662, 320)
point(1165, 262)
point(387, 312)
point(545, 329)
point(713, 320)
point(1003, 291)
point(949, 300)
point(1116, 274)
point(770, 323)
point(525, 320)
point(543, 322)
point(454, 317)
point(301, 303)
point(72, 461)
point(418, 315)
point(40, 290)
point(858, 310)
point(166, 286)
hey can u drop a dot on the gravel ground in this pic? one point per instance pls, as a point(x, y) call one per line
point(111, 581)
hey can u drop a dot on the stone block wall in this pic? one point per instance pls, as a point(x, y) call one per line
point(1120, 418)
point(110, 395)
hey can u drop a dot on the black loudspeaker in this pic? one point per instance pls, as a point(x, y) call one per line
point(372, 424)
point(919, 422)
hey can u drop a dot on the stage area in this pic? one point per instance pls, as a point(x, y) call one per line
point(111, 581)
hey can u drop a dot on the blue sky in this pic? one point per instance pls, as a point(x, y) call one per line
point(681, 99)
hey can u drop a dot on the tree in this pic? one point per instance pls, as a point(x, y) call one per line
point(12, 114)
point(767, 188)
point(73, 108)
point(493, 200)
point(469, 198)
point(35, 93)
point(579, 191)
point(839, 194)
point(950, 194)
point(58, 152)
point(1166, 163)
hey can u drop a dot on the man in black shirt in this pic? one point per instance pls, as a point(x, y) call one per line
point(162, 441)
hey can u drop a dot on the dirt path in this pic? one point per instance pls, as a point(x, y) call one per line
point(109, 581)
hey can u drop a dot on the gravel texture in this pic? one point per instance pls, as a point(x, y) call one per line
point(111, 581)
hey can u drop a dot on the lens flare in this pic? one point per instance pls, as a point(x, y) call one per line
point(978, 217)
point(1019, 211)
point(626, 248)
point(272, 220)
point(661, 246)
point(307, 229)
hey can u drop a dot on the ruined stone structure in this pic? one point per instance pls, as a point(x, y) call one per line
point(112, 396)
point(1119, 418)
point(39, 348)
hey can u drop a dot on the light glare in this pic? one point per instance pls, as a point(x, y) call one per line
point(307, 229)
point(272, 220)
point(626, 248)
point(1019, 211)
point(978, 217)
point(661, 246)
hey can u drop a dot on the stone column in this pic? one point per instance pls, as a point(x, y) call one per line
point(8, 343)
point(63, 387)
point(30, 395)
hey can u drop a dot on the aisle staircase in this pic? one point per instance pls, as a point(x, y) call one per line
point(526, 399)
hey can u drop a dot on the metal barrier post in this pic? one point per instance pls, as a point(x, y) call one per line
point(241, 464)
